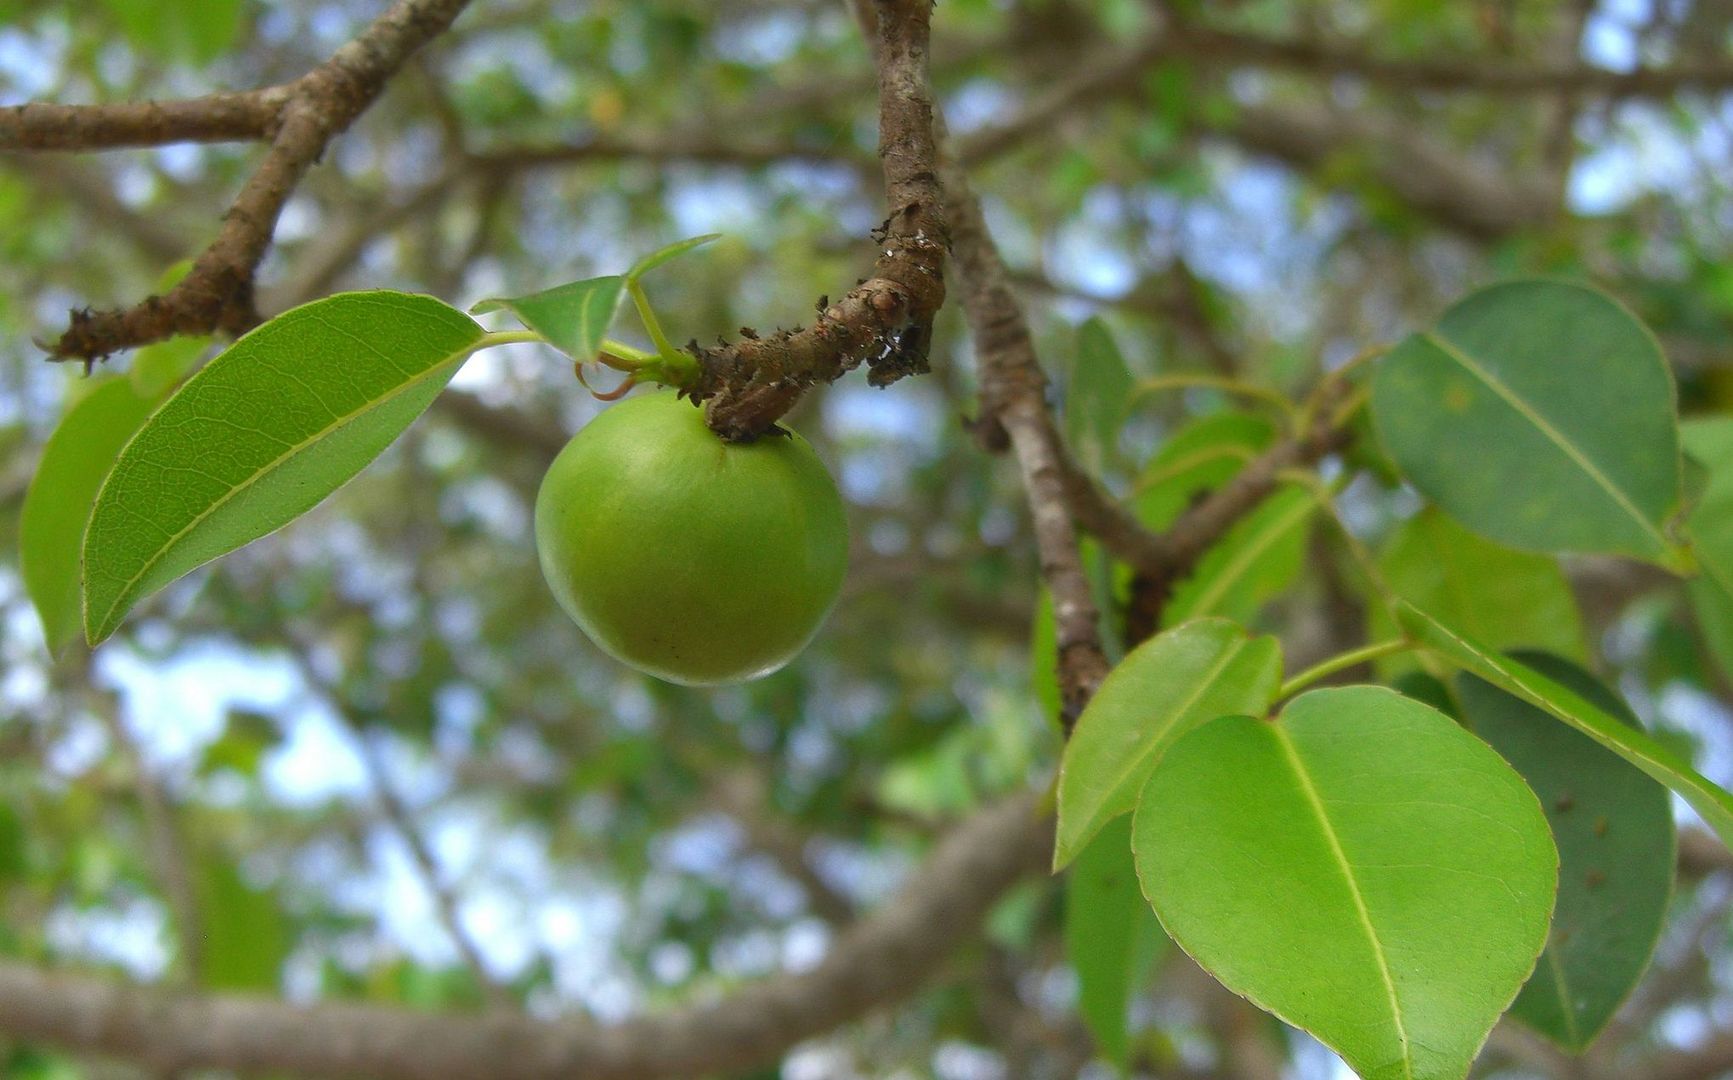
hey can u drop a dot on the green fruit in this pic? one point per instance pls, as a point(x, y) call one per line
point(691, 559)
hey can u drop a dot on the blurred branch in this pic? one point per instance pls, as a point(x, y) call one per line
point(878, 960)
point(741, 795)
point(92, 191)
point(218, 292)
point(341, 245)
point(167, 850)
point(391, 805)
point(1453, 73)
point(1437, 180)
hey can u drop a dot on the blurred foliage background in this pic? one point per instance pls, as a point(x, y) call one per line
point(367, 757)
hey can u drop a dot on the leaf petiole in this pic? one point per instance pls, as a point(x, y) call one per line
point(1324, 668)
point(507, 337)
point(675, 367)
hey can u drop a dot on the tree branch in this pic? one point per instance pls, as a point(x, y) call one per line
point(885, 320)
point(879, 960)
point(218, 292)
point(41, 125)
point(1014, 413)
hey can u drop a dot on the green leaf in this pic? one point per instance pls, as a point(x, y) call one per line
point(672, 251)
point(1710, 522)
point(1713, 607)
point(171, 29)
point(210, 27)
point(1711, 802)
point(1257, 560)
point(244, 937)
point(246, 738)
point(1162, 689)
point(1709, 442)
point(1098, 395)
point(1361, 867)
point(1504, 597)
point(1111, 936)
point(1614, 831)
point(15, 844)
point(62, 494)
point(1541, 415)
point(574, 318)
point(1199, 457)
point(265, 431)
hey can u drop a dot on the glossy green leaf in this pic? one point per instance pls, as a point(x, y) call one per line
point(1097, 396)
point(574, 318)
point(1200, 457)
point(245, 937)
point(1614, 830)
point(264, 432)
point(1163, 688)
point(1539, 414)
point(1637, 747)
point(1504, 597)
point(62, 494)
point(1111, 936)
point(1334, 866)
point(672, 251)
point(1257, 560)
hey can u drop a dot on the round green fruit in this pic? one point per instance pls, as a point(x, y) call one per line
point(694, 560)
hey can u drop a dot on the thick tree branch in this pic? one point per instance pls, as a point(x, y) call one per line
point(884, 957)
point(885, 320)
point(218, 292)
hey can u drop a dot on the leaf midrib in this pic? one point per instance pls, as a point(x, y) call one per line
point(1563, 989)
point(1310, 792)
point(1545, 427)
point(338, 422)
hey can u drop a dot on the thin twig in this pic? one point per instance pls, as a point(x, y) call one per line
point(217, 294)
